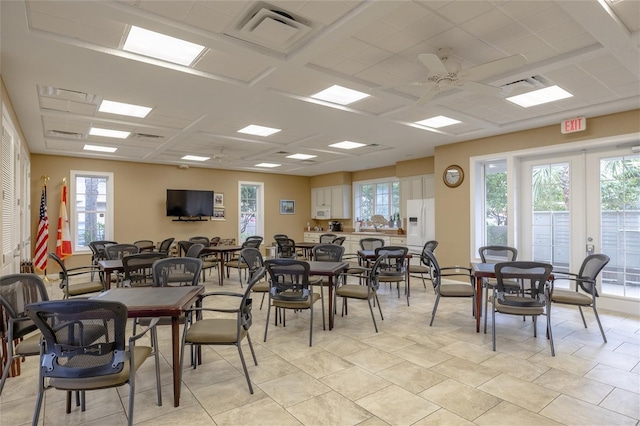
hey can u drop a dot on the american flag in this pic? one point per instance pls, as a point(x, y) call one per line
point(42, 242)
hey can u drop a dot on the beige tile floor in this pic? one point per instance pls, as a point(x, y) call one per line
point(407, 374)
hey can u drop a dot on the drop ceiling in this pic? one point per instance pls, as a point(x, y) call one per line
point(264, 60)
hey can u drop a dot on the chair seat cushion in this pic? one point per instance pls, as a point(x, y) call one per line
point(391, 278)
point(518, 310)
point(141, 353)
point(419, 269)
point(570, 298)
point(83, 288)
point(354, 291)
point(456, 290)
point(208, 264)
point(214, 330)
point(29, 346)
point(303, 304)
point(261, 287)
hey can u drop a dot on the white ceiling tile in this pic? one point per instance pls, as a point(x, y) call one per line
point(486, 23)
point(574, 43)
point(177, 10)
point(350, 47)
point(397, 42)
point(462, 11)
point(328, 59)
point(403, 68)
point(326, 13)
point(375, 32)
point(405, 14)
point(52, 24)
point(372, 55)
point(547, 18)
point(208, 19)
point(231, 66)
point(350, 67)
point(530, 43)
point(561, 32)
point(509, 34)
point(426, 27)
point(519, 9)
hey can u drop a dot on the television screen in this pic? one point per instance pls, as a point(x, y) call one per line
point(189, 203)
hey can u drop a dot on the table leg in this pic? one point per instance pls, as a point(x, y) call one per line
point(107, 279)
point(221, 268)
point(175, 342)
point(478, 282)
point(330, 302)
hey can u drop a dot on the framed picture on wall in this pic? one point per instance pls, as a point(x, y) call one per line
point(218, 199)
point(287, 207)
point(218, 214)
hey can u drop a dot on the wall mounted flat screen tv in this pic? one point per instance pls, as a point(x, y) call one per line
point(189, 203)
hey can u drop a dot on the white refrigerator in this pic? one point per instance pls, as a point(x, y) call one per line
point(421, 224)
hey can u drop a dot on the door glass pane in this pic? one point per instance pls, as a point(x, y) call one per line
point(551, 214)
point(495, 203)
point(91, 209)
point(620, 225)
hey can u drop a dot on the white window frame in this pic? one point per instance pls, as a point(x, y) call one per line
point(357, 197)
point(109, 230)
point(260, 207)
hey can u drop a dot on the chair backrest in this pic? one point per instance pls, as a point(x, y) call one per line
point(83, 337)
point(201, 240)
point(376, 270)
point(338, 240)
point(16, 292)
point(194, 250)
point(184, 246)
point(327, 238)
point(176, 270)
point(118, 251)
point(144, 243)
point(246, 318)
point(64, 274)
point(496, 254)
point(135, 265)
point(536, 273)
point(214, 241)
point(98, 248)
point(428, 246)
point(286, 248)
point(252, 258)
point(396, 258)
point(165, 245)
point(289, 279)
point(276, 236)
point(328, 253)
point(591, 267)
point(252, 241)
point(429, 259)
point(370, 243)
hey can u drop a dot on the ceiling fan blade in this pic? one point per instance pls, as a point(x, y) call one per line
point(496, 67)
point(431, 93)
point(480, 88)
point(433, 63)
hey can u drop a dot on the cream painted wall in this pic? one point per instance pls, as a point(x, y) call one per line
point(140, 193)
point(453, 205)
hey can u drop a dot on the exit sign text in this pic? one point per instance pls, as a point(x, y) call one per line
point(578, 124)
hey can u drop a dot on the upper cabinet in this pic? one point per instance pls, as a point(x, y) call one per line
point(416, 188)
point(337, 198)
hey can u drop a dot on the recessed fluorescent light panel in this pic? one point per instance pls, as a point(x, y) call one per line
point(160, 46)
point(194, 158)
point(301, 156)
point(437, 122)
point(268, 165)
point(99, 148)
point(108, 133)
point(256, 130)
point(121, 108)
point(541, 96)
point(347, 145)
point(340, 95)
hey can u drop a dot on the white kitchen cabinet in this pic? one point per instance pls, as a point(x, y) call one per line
point(415, 188)
point(341, 202)
point(311, 237)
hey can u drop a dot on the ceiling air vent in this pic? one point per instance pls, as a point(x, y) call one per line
point(145, 136)
point(525, 84)
point(283, 153)
point(270, 27)
point(64, 134)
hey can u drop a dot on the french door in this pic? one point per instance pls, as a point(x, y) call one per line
point(577, 204)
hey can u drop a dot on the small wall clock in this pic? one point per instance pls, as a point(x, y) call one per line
point(453, 176)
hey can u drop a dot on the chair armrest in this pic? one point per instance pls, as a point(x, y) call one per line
point(191, 311)
point(221, 293)
point(461, 268)
point(137, 336)
point(564, 275)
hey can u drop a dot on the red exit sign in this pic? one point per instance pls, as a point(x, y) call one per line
point(578, 124)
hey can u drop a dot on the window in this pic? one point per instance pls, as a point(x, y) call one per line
point(251, 209)
point(376, 198)
point(91, 207)
point(495, 203)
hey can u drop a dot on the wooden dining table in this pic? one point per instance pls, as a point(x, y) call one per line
point(149, 302)
point(223, 253)
point(330, 270)
point(370, 255)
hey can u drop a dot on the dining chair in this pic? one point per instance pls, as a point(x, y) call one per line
point(338, 240)
point(290, 288)
point(424, 268)
point(394, 270)
point(137, 268)
point(231, 327)
point(326, 253)
point(584, 280)
point(238, 263)
point(99, 252)
point(327, 238)
point(254, 260)
point(84, 347)
point(118, 251)
point(145, 245)
point(76, 281)
point(371, 243)
point(286, 248)
point(368, 291)
point(455, 289)
point(165, 245)
point(537, 303)
point(205, 241)
point(496, 254)
point(16, 292)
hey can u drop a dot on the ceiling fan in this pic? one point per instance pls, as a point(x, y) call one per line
point(445, 73)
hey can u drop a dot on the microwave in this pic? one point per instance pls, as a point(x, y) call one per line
point(323, 213)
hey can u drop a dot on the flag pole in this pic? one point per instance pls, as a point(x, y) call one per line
point(44, 180)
